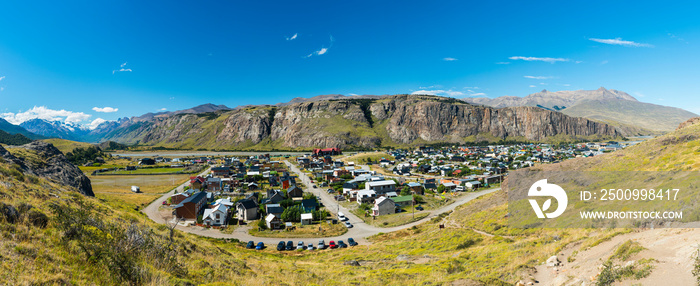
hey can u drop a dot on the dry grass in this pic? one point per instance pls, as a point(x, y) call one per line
point(361, 158)
point(118, 188)
point(303, 231)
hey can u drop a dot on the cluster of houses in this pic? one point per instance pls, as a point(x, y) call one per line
point(260, 184)
point(488, 160)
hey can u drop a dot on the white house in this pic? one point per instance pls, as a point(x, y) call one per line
point(215, 215)
point(383, 206)
point(365, 196)
point(273, 222)
point(472, 184)
point(381, 187)
point(307, 218)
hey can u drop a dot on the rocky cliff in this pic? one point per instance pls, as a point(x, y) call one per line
point(44, 160)
point(398, 120)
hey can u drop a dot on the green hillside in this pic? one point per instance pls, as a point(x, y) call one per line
point(629, 113)
point(13, 139)
point(67, 145)
point(667, 162)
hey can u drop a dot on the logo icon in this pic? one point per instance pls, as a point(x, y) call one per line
point(542, 189)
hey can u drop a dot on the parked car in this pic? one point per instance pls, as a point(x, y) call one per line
point(330, 191)
point(342, 244)
point(250, 245)
point(321, 244)
point(260, 246)
point(290, 245)
point(341, 216)
point(280, 246)
point(165, 202)
point(332, 245)
point(419, 208)
point(348, 224)
point(300, 245)
point(310, 246)
point(352, 242)
point(314, 186)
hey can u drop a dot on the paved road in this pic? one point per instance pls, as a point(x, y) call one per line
point(359, 232)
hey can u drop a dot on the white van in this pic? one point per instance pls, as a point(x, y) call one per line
point(341, 216)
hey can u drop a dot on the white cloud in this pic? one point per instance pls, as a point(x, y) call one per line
point(449, 59)
point(639, 94)
point(621, 42)
point(95, 123)
point(538, 77)
point(548, 60)
point(604, 62)
point(323, 50)
point(292, 37)
point(122, 69)
point(2, 77)
point(533, 85)
point(105, 109)
point(41, 112)
point(162, 109)
point(566, 84)
point(503, 63)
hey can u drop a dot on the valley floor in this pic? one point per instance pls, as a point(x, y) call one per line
point(359, 231)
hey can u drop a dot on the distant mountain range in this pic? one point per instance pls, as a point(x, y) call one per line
point(610, 106)
point(16, 129)
point(42, 129)
point(325, 122)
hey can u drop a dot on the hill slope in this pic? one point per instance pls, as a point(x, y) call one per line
point(16, 129)
point(634, 113)
point(401, 120)
point(610, 106)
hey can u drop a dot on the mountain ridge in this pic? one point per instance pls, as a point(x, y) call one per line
point(630, 116)
point(399, 120)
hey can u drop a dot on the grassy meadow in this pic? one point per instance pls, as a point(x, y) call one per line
point(118, 188)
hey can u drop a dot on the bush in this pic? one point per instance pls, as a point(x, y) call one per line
point(38, 218)
point(467, 243)
point(262, 224)
point(121, 248)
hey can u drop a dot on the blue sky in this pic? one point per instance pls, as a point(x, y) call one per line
point(82, 58)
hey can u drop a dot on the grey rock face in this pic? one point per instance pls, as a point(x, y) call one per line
point(53, 165)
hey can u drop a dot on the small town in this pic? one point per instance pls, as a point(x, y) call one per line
point(325, 193)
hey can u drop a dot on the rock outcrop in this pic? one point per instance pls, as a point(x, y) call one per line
point(357, 123)
point(689, 122)
point(48, 162)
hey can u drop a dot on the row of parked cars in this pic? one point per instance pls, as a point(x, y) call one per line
point(321, 245)
point(281, 246)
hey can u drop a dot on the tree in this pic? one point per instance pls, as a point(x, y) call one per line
point(365, 207)
point(320, 214)
point(262, 224)
point(308, 195)
point(418, 199)
point(441, 188)
point(292, 214)
point(405, 191)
